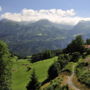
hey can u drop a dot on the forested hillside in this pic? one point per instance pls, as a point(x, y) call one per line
point(64, 69)
point(26, 38)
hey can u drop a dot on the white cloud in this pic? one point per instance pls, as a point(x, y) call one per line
point(54, 15)
point(0, 8)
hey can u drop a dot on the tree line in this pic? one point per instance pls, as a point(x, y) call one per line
point(71, 53)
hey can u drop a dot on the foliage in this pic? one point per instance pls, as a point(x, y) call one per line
point(63, 60)
point(69, 67)
point(76, 45)
point(58, 66)
point(20, 75)
point(33, 84)
point(56, 85)
point(53, 71)
point(41, 56)
point(42, 67)
point(57, 52)
point(88, 51)
point(5, 67)
point(75, 56)
point(83, 73)
point(25, 39)
point(88, 41)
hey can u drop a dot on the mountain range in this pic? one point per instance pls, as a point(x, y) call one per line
point(27, 38)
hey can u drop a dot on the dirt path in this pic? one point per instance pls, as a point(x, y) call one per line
point(70, 82)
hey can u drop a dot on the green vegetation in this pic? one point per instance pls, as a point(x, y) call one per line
point(75, 46)
point(30, 38)
point(68, 62)
point(83, 73)
point(46, 67)
point(53, 71)
point(21, 75)
point(75, 56)
point(69, 67)
point(42, 67)
point(88, 41)
point(33, 84)
point(56, 85)
point(57, 67)
point(42, 56)
point(5, 67)
point(63, 60)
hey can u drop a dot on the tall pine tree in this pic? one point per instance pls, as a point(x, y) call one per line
point(33, 84)
point(5, 66)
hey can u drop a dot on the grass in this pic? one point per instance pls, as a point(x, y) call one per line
point(20, 75)
point(42, 67)
point(69, 66)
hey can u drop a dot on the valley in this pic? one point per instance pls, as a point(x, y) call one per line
point(48, 55)
point(27, 38)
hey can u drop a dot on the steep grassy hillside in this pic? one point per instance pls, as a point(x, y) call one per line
point(21, 75)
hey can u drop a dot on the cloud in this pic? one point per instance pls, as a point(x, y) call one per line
point(54, 15)
point(0, 8)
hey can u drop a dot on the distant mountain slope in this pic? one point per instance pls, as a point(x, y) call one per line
point(83, 28)
point(26, 38)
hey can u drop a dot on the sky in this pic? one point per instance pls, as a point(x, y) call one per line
point(66, 10)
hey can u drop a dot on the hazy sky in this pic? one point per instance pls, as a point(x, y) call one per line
point(78, 8)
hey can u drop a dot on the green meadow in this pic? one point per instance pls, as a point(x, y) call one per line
point(21, 75)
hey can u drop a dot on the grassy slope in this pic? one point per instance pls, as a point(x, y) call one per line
point(41, 68)
point(20, 75)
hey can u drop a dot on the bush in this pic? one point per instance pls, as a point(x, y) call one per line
point(63, 60)
point(75, 56)
point(56, 85)
point(57, 67)
point(83, 73)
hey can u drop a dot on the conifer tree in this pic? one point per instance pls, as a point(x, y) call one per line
point(5, 67)
point(33, 84)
